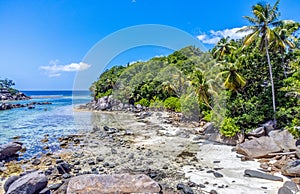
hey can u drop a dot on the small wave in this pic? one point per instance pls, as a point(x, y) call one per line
point(46, 96)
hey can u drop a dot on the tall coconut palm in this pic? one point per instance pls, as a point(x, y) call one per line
point(265, 16)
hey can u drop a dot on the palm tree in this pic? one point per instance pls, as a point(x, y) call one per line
point(229, 69)
point(224, 47)
point(265, 16)
point(201, 87)
point(285, 39)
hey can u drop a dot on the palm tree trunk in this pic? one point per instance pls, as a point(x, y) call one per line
point(282, 63)
point(271, 78)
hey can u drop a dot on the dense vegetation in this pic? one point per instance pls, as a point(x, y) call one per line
point(258, 76)
point(7, 85)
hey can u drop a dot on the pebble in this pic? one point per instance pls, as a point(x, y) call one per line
point(131, 156)
point(59, 161)
point(36, 162)
point(217, 175)
point(99, 159)
point(91, 162)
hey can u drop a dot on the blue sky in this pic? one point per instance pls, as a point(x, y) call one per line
point(43, 43)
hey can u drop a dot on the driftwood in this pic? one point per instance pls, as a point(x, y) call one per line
point(282, 154)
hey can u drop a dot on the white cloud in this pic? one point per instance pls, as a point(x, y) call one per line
point(214, 36)
point(55, 70)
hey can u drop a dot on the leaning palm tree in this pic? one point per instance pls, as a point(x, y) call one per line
point(265, 16)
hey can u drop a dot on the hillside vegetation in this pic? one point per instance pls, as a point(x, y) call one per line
point(238, 85)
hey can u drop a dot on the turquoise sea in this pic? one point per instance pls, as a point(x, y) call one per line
point(55, 120)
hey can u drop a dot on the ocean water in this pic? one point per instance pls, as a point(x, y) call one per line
point(55, 120)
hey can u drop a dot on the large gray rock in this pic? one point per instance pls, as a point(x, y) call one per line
point(284, 139)
point(9, 149)
point(257, 174)
point(29, 183)
point(291, 168)
point(110, 184)
point(277, 141)
point(258, 147)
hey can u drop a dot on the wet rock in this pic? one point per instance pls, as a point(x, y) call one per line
point(9, 149)
point(29, 183)
point(291, 168)
point(186, 189)
point(257, 174)
point(112, 183)
point(36, 162)
point(63, 168)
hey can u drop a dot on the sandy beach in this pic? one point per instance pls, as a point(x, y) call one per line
point(147, 143)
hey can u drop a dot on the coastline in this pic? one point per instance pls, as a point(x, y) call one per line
point(149, 145)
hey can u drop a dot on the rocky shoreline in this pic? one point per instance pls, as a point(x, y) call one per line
point(5, 95)
point(151, 148)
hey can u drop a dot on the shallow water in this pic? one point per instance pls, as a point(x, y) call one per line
point(55, 120)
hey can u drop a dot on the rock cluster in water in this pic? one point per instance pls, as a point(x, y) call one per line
point(6, 95)
point(31, 105)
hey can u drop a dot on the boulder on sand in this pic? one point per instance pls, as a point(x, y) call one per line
point(277, 141)
point(109, 184)
point(9, 149)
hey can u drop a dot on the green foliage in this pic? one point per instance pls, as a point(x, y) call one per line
point(143, 102)
point(294, 129)
point(7, 84)
point(156, 103)
point(173, 103)
point(229, 127)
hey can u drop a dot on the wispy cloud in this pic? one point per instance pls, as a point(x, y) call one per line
point(55, 70)
point(214, 36)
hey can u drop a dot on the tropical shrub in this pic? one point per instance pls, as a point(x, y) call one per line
point(172, 103)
